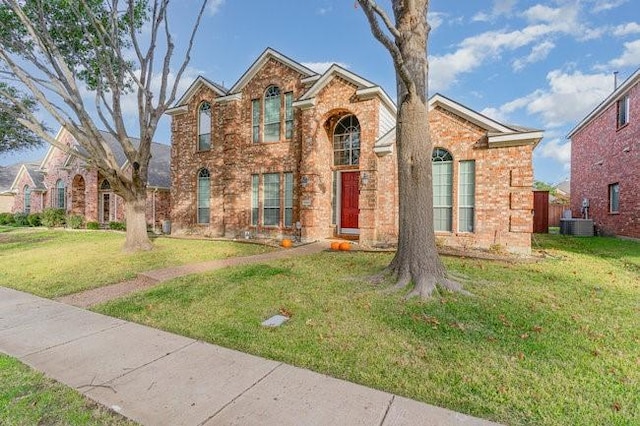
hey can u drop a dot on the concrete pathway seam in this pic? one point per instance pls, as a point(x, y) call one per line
point(386, 413)
point(134, 369)
point(240, 394)
point(73, 340)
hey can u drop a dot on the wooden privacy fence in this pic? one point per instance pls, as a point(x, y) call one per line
point(555, 213)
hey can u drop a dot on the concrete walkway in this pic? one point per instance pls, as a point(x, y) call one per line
point(149, 279)
point(159, 378)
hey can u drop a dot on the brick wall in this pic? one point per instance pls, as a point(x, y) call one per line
point(602, 154)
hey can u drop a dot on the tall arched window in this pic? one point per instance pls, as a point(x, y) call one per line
point(27, 199)
point(105, 185)
point(442, 189)
point(204, 196)
point(61, 195)
point(204, 126)
point(346, 142)
point(272, 114)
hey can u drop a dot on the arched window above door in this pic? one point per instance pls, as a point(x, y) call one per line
point(346, 141)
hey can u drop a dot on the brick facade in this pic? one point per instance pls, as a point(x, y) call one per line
point(602, 154)
point(503, 179)
point(82, 189)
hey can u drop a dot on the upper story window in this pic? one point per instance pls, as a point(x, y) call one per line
point(61, 194)
point(204, 126)
point(105, 185)
point(442, 189)
point(622, 111)
point(346, 142)
point(27, 199)
point(267, 115)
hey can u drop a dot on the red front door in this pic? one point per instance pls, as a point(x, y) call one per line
point(349, 201)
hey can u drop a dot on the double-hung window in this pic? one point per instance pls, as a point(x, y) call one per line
point(204, 126)
point(272, 114)
point(442, 189)
point(61, 195)
point(622, 107)
point(204, 196)
point(272, 203)
point(614, 198)
point(27, 199)
point(466, 196)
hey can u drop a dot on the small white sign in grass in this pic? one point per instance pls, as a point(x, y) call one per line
point(275, 321)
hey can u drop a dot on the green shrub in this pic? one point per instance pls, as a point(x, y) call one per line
point(34, 219)
point(53, 218)
point(93, 225)
point(20, 219)
point(6, 219)
point(74, 221)
point(117, 226)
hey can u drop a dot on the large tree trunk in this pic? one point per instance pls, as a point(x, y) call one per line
point(137, 238)
point(416, 260)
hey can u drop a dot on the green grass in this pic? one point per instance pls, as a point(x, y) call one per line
point(53, 263)
point(29, 398)
point(553, 342)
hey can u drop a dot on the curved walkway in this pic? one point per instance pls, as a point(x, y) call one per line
point(144, 280)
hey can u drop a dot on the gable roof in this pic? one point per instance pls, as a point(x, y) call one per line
point(193, 88)
point(613, 97)
point(7, 176)
point(365, 88)
point(499, 134)
point(269, 53)
point(35, 174)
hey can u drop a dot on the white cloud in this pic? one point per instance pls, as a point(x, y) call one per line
point(630, 56)
point(324, 10)
point(626, 29)
point(557, 149)
point(545, 23)
point(602, 5)
point(567, 99)
point(214, 6)
point(538, 53)
point(321, 67)
point(500, 8)
point(435, 19)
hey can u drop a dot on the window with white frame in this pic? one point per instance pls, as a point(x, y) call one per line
point(288, 115)
point(272, 114)
point(466, 196)
point(27, 199)
point(271, 199)
point(442, 189)
point(346, 142)
point(61, 194)
point(204, 196)
point(272, 203)
point(622, 111)
point(204, 126)
point(255, 120)
point(614, 198)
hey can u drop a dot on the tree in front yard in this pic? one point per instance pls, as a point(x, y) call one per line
point(81, 61)
point(416, 260)
point(13, 135)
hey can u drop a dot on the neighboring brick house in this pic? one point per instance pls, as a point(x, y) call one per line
point(7, 175)
point(287, 146)
point(605, 162)
point(65, 181)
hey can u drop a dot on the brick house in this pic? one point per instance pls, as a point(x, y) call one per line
point(65, 181)
point(7, 175)
point(286, 146)
point(605, 162)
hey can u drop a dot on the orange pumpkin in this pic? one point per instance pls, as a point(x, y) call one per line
point(345, 246)
point(286, 243)
point(335, 245)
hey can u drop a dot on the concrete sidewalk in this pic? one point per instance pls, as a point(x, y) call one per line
point(159, 378)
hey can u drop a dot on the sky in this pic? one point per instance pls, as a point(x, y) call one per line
point(539, 64)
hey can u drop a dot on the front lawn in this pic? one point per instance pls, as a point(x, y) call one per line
point(553, 342)
point(29, 398)
point(53, 263)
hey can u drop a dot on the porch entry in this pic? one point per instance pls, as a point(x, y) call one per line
point(349, 203)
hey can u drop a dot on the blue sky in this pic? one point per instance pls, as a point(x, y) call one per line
point(540, 64)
